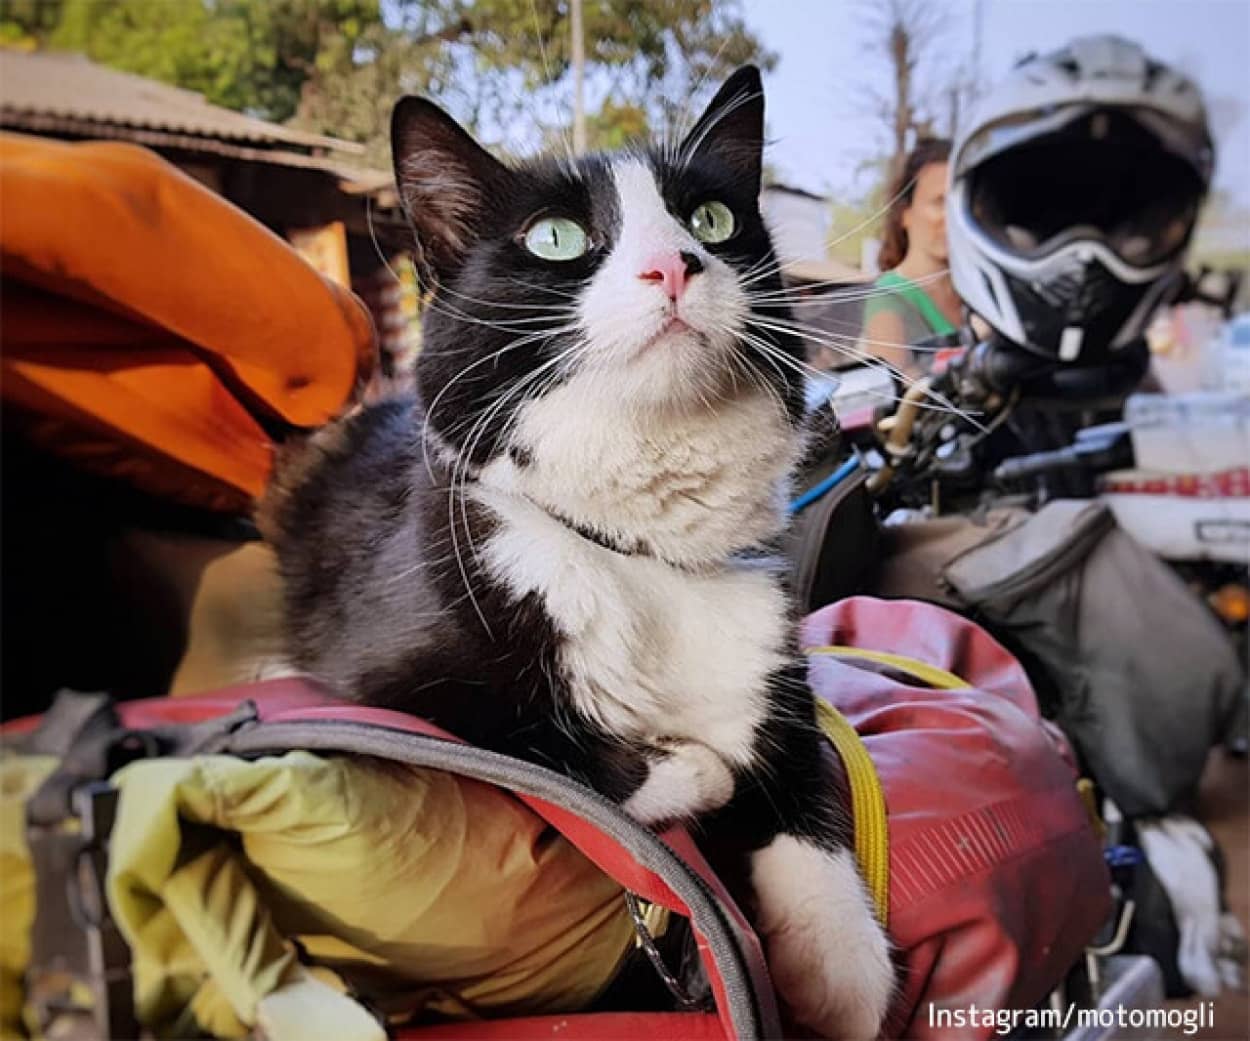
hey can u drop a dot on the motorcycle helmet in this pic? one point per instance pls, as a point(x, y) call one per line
point(1074, 192)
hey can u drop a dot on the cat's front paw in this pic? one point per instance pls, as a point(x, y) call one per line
point(828, 956)
point(684, 780)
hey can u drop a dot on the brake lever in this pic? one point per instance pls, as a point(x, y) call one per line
point(1108, 446)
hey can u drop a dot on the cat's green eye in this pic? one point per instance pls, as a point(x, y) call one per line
point(712, 222)
point(557, 238)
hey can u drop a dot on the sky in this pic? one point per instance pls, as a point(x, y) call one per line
point(817, 114)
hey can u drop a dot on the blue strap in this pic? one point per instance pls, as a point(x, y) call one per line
point(827, 485)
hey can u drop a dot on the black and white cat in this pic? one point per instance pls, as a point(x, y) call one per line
point(564, 551)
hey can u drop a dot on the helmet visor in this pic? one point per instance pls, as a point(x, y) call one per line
point(1104, 177)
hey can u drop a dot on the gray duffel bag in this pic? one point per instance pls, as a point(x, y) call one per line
point(1125, 658)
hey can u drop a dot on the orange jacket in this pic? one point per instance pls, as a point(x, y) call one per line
point(150, 329)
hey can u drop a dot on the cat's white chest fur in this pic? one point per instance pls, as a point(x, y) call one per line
point(650, 652)
point(677, 648)
point(693, 485)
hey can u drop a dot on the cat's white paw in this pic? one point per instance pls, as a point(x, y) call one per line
point(690, 779)
point(828, 957)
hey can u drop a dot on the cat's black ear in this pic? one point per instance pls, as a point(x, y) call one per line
point(731, 130)
point(445, 179)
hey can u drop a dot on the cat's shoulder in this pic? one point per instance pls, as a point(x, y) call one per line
point(353, 457)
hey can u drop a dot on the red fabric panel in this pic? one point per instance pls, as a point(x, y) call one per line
point(997, 880)
point(599, 1026)
point(272, 697)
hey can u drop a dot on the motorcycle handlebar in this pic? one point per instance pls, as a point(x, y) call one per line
point(1108, 446)
point(997, 367)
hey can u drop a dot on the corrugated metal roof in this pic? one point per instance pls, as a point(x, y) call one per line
point(71, 87)
point(354, 180)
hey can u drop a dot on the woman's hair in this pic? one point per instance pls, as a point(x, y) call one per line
point(928, 150)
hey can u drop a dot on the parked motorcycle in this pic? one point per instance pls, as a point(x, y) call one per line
point(998, 485)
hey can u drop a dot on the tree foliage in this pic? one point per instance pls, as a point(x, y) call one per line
point(336, 66)
point(504, 66)
point(25, 23)
point(251, 55)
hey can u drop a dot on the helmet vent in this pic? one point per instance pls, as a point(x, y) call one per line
point(989, 288)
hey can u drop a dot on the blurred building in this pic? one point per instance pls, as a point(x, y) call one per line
point(310, 189)
point(800, 221)
point(826, 297)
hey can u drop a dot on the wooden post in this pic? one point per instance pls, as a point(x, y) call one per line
point(579, 75)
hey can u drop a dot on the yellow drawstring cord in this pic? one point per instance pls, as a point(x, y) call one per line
point(929, 675)
point(872, 836)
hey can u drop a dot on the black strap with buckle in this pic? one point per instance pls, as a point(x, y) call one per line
point(78, 981)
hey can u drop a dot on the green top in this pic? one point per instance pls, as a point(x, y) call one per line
point(921, 317)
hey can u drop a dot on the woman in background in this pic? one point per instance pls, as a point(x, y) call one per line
point(917, 300)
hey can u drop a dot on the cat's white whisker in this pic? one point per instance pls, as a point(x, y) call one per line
point(487, 360)
point(691, 148)
point(565, 139)
point(788, 294)
point(462, 462)
point(944, 404)
point(823, 336)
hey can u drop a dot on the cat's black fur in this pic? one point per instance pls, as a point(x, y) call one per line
point(356, 518)
point(378, 530)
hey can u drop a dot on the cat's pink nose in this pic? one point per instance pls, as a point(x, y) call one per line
point(672, 270)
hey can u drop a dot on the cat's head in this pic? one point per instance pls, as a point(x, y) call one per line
point(648, 275)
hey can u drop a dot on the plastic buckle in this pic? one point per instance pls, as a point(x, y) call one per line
point(108, 956)
point(80, 963)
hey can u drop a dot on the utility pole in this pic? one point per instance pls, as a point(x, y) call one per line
point(579, 77)
point(978, 25)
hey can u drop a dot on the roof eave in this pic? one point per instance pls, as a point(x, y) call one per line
point(162, 138)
